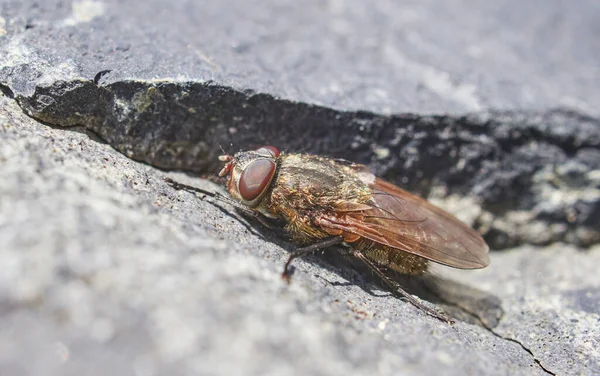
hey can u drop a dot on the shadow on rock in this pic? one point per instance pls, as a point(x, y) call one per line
point(461, 302)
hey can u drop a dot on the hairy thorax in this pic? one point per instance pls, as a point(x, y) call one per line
point(309, 186)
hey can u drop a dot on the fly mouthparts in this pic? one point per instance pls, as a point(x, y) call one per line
point(225, 170)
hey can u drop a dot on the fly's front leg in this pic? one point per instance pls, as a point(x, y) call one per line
point(301, 252)
point(217, 196)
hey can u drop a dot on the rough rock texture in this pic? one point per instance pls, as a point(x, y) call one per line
point(109, 270)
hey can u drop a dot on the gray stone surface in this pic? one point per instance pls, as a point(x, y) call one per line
point(109, 270)
point(389, 56)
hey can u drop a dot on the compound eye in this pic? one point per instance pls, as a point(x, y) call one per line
point(269, 150)
point(255, 178)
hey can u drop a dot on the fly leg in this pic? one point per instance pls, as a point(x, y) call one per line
point(301, 252)
point(396, 289)
point(215, 195)
point(219, 197)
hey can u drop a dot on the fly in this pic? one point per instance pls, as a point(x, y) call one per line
point(324, 202)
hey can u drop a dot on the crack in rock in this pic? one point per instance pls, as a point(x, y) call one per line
point(484, 322)
point(535, 359)
point(521, 177)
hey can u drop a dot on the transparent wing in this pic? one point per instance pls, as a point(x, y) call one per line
point(406, 222)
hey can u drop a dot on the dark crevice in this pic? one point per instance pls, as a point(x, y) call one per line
point(7, 91)
point(78, 128)
point(99, 75)
point(490, 156)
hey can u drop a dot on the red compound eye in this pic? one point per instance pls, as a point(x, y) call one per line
point(255, 178)
point(270, 150)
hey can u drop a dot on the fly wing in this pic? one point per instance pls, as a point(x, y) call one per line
point(401, 220)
